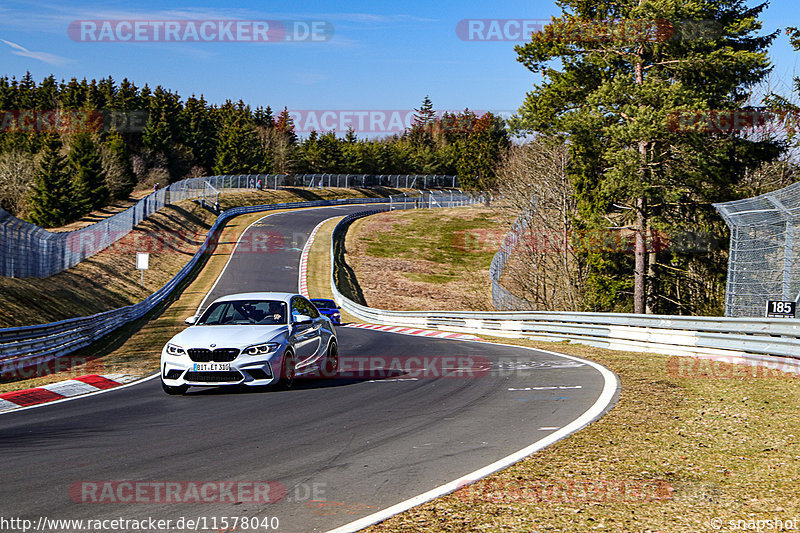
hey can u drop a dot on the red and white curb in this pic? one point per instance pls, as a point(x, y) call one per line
point(62, 389)
point(302, 280)
point(418, 332)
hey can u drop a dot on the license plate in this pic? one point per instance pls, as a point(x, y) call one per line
point(206, 367)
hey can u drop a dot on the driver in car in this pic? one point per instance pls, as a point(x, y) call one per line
point(276, 310)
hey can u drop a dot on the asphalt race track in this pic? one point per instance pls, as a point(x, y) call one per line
point(343, 448)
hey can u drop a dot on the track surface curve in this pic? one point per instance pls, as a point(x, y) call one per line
point(343, 448)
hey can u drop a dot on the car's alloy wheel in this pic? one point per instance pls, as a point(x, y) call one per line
point(174, 390)
point(288, 371)
point(331, 366)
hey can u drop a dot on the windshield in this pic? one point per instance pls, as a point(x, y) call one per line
point(259, 312)
point(324, 303)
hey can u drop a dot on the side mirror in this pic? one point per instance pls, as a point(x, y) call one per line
point(302, 319)
point(192, 320)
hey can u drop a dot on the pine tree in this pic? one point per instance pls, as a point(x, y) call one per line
point(199, 132)
point(263, 117)
point(425, 115)
point(420, 135)
point(50, 198)
point(120, 178)
point(162, 130)
point(239, 151)
point(88, 178)
point(479, 152)
point(285, 124)
point(614, 95)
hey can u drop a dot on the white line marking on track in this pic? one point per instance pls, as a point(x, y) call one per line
point(549, 428)
point(610, 385)
point(546, 388)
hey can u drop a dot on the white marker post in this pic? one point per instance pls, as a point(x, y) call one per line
point(142, 263)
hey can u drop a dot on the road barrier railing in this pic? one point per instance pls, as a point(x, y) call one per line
point(751, 339)
point(27, 346)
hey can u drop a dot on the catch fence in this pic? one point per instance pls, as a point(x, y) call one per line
point(765, 240)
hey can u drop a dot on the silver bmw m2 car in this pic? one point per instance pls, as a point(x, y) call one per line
point(258, 338)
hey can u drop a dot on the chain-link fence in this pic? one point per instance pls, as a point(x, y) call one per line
point(193, 187)
point(428, 200)
point(765, 239)
point(502, 298)
point(28, 251)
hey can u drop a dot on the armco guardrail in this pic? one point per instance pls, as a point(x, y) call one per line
point(26, 346)
point(752, 339)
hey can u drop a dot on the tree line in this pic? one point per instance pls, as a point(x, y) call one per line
point(69, 147)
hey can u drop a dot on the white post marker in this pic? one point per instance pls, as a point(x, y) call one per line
point(142, 263)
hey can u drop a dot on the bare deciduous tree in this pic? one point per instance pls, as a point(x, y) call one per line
point(278, 145)
point(16, 177)
point(535, 187)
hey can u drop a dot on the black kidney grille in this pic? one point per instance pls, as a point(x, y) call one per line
point(213, 377)
point(220, 355)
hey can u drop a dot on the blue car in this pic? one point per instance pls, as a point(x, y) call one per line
point(328, 308)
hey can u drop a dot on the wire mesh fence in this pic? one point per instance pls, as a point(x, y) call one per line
point(28, 251)
point(502, 298)
point(429, 200)
point(765, 239)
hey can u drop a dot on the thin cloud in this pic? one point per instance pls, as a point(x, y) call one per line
point(46, 57)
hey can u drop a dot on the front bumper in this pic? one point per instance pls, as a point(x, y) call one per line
point(244, 370)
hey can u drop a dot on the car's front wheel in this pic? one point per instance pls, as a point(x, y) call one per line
point(288, 371)
point(174, 390)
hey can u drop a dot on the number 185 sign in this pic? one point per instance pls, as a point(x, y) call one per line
point(778, 309)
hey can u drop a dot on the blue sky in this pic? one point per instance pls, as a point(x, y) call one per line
point(382, 56)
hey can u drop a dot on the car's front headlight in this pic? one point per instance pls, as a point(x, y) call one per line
point(261, 349)
point(174, 349)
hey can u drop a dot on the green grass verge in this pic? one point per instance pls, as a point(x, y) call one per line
point(426, 258)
